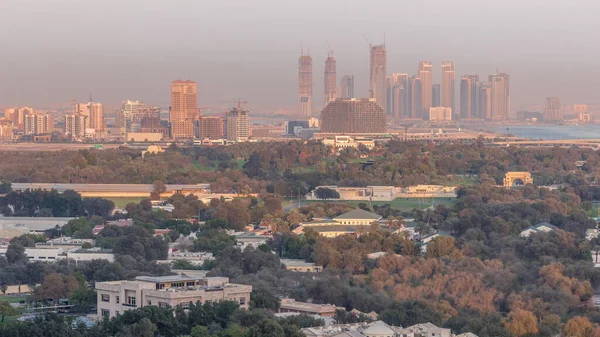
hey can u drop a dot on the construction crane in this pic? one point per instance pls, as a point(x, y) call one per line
point(238, 103)
point(330, 50)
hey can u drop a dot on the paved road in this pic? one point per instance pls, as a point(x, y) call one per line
point(125, 188)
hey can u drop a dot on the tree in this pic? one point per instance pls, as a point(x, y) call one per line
point(200, 331)
point(521, 322)
point(3, 288)
point(15, 253)
point(577, 327)
point(442, 246)
point(266, 328)
point(57, 286)
point(6, 310)
point(326, 193)
point(158, 188)
point(5, 187)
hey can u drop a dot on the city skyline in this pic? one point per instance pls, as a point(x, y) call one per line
point(116, 66)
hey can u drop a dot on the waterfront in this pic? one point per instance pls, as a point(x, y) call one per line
point(548, 132)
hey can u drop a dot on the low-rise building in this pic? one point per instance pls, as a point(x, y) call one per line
point(373, 329)
point(194, 258)
point(425, 330)
point(290, 305)
point(352, 222)
point(11, 227)
point(167, 291)
point(543, 227)
point(301, 266)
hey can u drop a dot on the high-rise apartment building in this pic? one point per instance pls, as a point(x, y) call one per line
point(75, 125)
point(553, 110)
point(38, 124)
point(468, 96)
point(500, 87)
point(17, 116)
point(236, 125)
point(399, 102)
point(184, 109)
point(580, 108)
point(378, 73)
point(448, 92)
point(305, 86)
point(347, 87)
point(211, 127)
point(436, 95)
point(330, 79)
point(426, 76)
point(132, 113)
point(415, 98)
point(94, 112)
point(6, 129)
point(364, 115)
point(440, 114)
point(485, 101)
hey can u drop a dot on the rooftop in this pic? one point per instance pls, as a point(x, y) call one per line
point(165, 279)
point(358, 214)
point(291, 304)
point(297, 263)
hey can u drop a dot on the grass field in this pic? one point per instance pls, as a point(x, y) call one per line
point(122, 202)
point(401, 204)
point(13, 299)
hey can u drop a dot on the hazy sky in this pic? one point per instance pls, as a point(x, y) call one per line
point(57, 50)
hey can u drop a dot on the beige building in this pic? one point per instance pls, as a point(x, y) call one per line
point(37, 124)
point(440, 114)
point(330, 79)
point(147, 137)
point(184, 109)
point(236, 125)
point(301, 266)
point(75, 125)
point(94, 112)
point(448, 94)
point(305, 85)
point(17, 116)
point(352, 222)
point(167, 291)
point(6, 129)
point(353, 115)
point(553, 110)
point(340, 142)
point(500, 96)
point(426, 76)
point(290, 305)
point(378, 74)
point(211, 127)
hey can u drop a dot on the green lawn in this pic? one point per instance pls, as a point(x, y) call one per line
point(122, 202)
point(401, 204)
point(13, 299)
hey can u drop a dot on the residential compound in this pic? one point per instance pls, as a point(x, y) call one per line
point(167, 291)
point(352, 222)
point(389, 193)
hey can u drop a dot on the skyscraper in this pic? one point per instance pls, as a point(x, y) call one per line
point(347, 86)
point(426, 76)
point(468, 96)
point(448, 85)
point(378, 70)
point(132, 113)
point(17, 116)
point(364, 115)
point(500, 87)
point(399, 96)
point(236, 125)
point(184, 109)
point(415, 97)
point(485, 101)
point(553, 110)
point(305, 85)
point(436, 95)
point(330, 79)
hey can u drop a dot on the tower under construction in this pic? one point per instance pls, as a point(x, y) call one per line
point(305, 85)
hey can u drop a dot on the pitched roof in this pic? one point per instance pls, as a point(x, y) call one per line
point(378, 328)
point(545, 224)
point(358, 214)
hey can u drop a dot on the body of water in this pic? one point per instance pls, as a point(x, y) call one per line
point(549, 132)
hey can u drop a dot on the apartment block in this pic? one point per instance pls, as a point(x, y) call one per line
point(211, 127)
point(167, 291)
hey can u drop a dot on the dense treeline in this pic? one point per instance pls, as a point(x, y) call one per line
point(43, 203)
point(223, 319)
point(294, 167)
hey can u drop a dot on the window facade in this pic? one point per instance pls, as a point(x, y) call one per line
point(106, 298)
point(105, 313)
